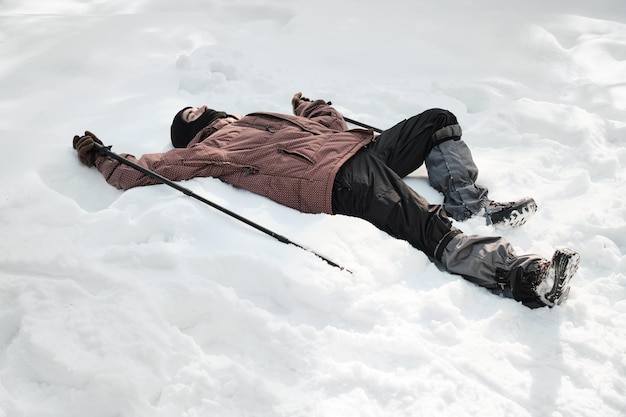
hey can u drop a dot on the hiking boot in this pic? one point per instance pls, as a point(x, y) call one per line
point(554, 286)
point(510, 214)
point(545, 283)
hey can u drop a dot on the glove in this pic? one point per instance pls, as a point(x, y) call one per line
point(84, 145)
point(296, 99)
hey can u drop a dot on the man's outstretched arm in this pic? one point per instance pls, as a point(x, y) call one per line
point(175, 165)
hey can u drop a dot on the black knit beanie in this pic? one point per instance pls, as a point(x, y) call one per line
point(183, 132)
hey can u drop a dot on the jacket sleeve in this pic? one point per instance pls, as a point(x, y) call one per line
point(175, 165)
point(322, 113)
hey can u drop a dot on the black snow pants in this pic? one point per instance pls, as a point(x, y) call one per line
point(370, 186)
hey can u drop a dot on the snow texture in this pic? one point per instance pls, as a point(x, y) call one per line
point(149, 303)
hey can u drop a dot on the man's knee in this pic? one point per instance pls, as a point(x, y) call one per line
point(445, 126)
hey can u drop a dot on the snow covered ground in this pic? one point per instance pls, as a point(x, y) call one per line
point(148, 303)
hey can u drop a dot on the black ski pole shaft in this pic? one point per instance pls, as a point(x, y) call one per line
point(106, 150)
point(357, 123)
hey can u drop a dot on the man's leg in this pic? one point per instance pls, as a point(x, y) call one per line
point(405, 146)
point(367, 188)
point(434, 137)
point(492, 263)
point(452, 171)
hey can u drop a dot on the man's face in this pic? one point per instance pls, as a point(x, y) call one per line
point(193, 113)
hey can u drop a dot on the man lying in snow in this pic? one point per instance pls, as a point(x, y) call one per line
point(311, 162)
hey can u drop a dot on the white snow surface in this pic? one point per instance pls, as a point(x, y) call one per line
point(149, 303)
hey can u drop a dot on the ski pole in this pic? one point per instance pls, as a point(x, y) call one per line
point(354, 122)
point(106, 150)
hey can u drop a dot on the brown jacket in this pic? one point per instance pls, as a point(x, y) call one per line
point(291, 159)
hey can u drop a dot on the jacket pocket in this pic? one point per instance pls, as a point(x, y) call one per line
point(250, 170)
point(296, 154)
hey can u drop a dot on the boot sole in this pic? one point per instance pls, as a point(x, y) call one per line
point(514, 217)
point(563, 268)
